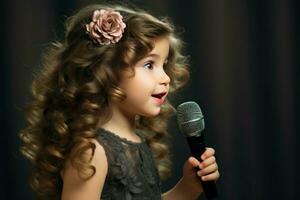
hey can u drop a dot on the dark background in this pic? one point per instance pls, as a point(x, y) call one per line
point(245, 71)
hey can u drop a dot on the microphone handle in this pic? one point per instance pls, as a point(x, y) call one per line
point(197, 147)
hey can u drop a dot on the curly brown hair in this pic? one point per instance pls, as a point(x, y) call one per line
point(73, 90)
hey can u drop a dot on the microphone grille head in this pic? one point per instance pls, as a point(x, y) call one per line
point(190, 119)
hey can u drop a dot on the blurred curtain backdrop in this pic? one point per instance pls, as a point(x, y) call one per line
point(245, 71)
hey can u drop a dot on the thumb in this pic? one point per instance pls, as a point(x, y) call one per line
point(192, 163)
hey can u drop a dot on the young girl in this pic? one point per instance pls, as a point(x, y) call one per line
point(97, 128)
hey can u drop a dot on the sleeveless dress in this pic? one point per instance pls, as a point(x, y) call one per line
point(132, 173)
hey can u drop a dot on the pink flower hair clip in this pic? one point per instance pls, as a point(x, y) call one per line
point(106, 27)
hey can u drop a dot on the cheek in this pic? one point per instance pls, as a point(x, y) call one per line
point(141, 86)
point(139, 90)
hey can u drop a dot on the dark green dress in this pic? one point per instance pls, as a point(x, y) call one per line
point(132, 174)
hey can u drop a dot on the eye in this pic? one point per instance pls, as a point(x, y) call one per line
point(149, 65)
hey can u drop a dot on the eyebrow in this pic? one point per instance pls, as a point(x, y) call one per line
point(153, 55)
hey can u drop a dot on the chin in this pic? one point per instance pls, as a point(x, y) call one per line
point(152, 113)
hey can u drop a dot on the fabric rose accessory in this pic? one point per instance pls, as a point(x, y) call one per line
point(106, 27)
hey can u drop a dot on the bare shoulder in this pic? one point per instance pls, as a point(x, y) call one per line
point(76, 188)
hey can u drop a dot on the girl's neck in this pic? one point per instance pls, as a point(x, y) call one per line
point(121, 124)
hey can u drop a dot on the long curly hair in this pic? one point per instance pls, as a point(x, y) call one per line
point(73, 90)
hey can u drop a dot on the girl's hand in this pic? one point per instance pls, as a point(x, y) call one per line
point(207, 170)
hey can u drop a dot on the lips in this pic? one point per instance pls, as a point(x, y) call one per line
point(159, 95)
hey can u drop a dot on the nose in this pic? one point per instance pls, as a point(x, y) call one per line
point(165, 79)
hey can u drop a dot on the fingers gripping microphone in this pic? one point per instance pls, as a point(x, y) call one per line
point(191, 123)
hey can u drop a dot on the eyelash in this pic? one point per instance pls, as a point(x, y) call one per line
point(151, 64)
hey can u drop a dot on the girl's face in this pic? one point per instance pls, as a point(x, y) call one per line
point(148, 88)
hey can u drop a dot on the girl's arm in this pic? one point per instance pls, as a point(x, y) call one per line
point(189, 186)
point(75, 188)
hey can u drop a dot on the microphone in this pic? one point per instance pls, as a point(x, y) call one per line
point(191, 123)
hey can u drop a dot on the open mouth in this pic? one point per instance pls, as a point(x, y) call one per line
point(159, 96)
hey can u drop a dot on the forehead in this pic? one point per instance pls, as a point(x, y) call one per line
point(161, 48)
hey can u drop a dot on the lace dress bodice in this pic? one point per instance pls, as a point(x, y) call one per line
point(132, 174)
